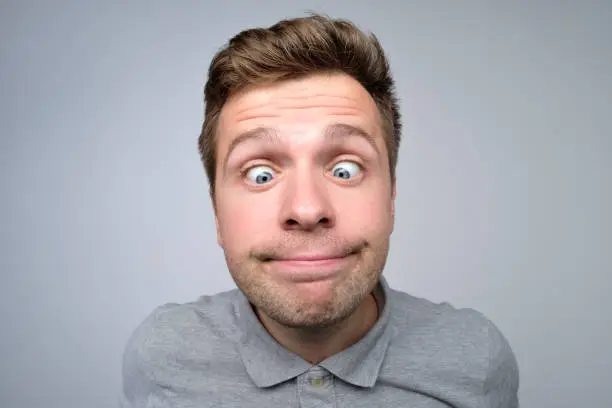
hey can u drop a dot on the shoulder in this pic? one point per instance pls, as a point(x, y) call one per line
point(208, 315)
point(414, 315)
point(175, 336)
point(462, 340)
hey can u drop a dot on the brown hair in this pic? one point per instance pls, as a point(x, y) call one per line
point(292, 49)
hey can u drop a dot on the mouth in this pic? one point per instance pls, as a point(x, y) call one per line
point(310, 256)
point(310, 267)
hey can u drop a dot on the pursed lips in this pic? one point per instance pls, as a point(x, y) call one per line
point(311, 267)
point(311, 258)
point(309, 261)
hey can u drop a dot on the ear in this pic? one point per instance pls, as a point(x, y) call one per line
point(214, 205)
point(219, 238)
point(393, 194)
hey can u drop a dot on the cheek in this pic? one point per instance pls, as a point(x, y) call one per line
point(374, 214)
point(243, 222)
point(368, 214)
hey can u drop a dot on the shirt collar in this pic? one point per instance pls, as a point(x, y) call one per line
point(268, 363)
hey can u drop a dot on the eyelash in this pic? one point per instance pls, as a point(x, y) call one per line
point(245, 169)
point(349, 158)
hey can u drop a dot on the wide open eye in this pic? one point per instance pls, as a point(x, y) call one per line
point(260, 175)
point(346, 170)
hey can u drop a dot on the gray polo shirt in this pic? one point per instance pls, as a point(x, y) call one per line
point(214, 352)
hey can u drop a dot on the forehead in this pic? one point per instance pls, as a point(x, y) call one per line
point(303, 103)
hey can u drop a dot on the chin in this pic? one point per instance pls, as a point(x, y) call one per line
point(308, 322)
point(310, 315)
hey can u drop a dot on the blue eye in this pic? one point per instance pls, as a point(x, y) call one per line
point(260, 175)
point(346, 170)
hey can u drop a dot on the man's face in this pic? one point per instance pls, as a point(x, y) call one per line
point(303, 197)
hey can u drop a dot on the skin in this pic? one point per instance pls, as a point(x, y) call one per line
point(304, 208)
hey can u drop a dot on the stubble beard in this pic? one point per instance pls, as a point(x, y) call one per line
point(282, 304)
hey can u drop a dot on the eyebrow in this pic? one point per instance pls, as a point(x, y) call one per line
point(264, 134)
point(268, 135)
point(338, 131)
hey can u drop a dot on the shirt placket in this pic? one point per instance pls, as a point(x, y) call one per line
point(316, 388)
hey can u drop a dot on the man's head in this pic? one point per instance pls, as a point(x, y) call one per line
point(300, 142)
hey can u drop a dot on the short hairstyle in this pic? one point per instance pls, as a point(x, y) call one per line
point(296, 48)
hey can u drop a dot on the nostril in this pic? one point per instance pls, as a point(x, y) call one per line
point(308, 224)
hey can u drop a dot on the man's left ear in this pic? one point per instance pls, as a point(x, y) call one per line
point(212, 200)
point(393, 191)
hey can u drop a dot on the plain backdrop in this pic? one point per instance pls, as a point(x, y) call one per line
point(504, 179)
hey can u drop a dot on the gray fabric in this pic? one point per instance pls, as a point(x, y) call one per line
point(215, 353)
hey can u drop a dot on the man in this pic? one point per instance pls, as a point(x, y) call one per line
point(300, 143)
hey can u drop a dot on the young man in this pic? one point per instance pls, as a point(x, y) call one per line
point(300, 143)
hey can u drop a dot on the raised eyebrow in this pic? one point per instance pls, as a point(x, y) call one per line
point(265, 134)
point(337, 131)
point(333, 132)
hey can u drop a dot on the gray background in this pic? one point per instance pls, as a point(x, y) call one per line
point(503, 198)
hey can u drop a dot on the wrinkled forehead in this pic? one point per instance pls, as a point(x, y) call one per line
point(302, 103)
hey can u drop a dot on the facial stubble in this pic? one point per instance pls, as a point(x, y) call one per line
point(283, 302)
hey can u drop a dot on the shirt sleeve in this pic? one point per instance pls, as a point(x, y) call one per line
point(502, 381)
point(140, 363)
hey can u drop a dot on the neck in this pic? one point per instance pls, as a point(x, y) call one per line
point(316, 344)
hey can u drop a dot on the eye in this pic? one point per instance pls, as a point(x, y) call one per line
point(260, 175)
point(346, 170)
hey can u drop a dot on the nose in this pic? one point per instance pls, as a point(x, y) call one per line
point(306, 204)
